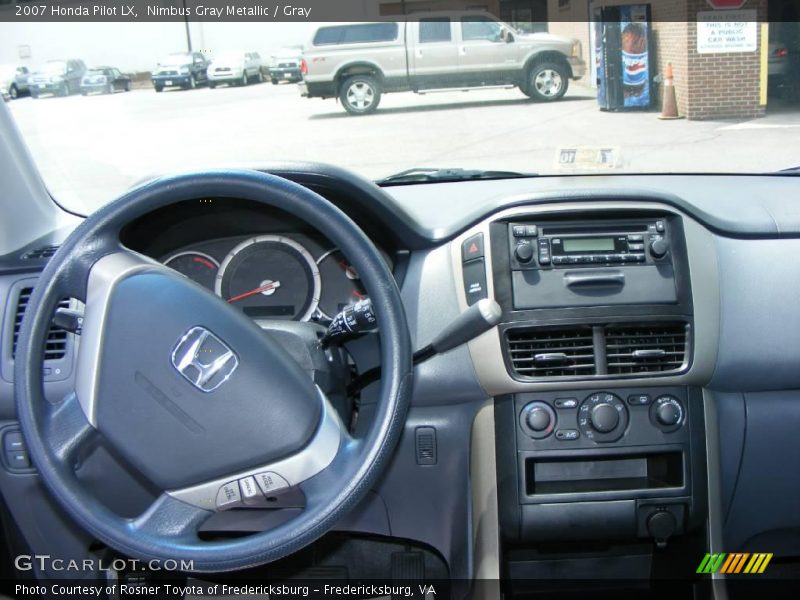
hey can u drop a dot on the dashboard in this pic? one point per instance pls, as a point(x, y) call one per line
point(551, 450)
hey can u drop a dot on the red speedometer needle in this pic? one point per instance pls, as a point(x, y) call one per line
point(264, 288)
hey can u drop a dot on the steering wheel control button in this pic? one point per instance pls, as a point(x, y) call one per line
point(271, 483)
point(639, 400)
point(537, 419)
point(229, 496)
point(250, 492)
point(475, 281)
point(603, 417)
point(472, 248)
point(667, 413)
point(13, 441)
point(567, 435)
point(566, 403)
point(18, 459)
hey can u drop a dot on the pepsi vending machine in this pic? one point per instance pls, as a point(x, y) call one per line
point(622, 57)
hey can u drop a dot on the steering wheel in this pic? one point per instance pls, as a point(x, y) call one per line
point(193, 394)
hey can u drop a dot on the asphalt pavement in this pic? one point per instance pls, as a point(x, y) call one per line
point(90, 149)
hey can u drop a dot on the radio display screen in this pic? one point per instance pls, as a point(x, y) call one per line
point(588, 244)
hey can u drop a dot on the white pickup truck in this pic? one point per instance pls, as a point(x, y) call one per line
point(359, 62)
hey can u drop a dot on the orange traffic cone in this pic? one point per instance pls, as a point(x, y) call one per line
point(669, 109)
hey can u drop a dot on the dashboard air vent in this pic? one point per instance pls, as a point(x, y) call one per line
point(646, 348)
point(56, 345)
point(43, 252)
point(546, 352)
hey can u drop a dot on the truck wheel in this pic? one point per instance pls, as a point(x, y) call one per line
point(158, 88)
point(13, 93)
point(546, 82)
point(360, 94)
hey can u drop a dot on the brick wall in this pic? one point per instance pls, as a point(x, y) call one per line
point(723, 85)
point(707, 86)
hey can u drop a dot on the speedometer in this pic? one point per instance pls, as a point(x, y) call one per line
point(270, 277)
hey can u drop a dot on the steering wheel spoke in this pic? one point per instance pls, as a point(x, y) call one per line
point(169, 518)
point(68, 430)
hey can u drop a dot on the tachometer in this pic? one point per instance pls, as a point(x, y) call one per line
point(270, 277)
point(197, 266)
point(342, 284)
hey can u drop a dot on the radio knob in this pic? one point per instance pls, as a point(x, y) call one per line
point(659, 248)
point(524, 253)
point(605, 418)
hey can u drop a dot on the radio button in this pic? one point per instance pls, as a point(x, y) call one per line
point(518, 230)
point(524, 253)
point(636, 237)
point(531, 231)
point(635, 247)
point(559, 260)
point(660, 226)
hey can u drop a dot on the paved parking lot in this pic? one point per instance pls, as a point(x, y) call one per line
point(91, 149)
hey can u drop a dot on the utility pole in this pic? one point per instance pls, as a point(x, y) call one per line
point(186, 23)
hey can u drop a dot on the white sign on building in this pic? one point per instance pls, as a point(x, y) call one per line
point(727, 31)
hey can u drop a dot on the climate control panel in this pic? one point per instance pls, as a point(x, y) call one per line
point(591, 419)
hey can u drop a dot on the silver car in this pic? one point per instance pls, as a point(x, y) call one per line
point(235, 68)
point(14, 81)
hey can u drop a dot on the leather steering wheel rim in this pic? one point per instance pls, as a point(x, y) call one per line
point(168, 530)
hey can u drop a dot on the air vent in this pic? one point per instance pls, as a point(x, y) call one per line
point(56, 345)
point(43, 252)
point(646, 348)
point(545, 352)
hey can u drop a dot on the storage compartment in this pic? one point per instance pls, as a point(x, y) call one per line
point(644, 284)
point(602, 474)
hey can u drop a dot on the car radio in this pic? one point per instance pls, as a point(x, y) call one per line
point(581, 263)
point(565, 244)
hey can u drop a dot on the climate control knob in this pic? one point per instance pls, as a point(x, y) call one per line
point(604, 418)
point(537, 419)
point(666, 413)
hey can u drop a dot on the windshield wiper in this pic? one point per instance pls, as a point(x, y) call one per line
point(423, 174)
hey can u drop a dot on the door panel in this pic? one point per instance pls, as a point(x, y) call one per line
point(433, 54)
point(483, 55)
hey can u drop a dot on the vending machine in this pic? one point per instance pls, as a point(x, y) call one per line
point(622, 57)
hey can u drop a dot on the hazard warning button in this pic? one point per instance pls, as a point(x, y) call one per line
point(472, 247)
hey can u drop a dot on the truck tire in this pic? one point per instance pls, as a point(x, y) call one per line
point(546, 82)
point(360, 94)
point(13, 92)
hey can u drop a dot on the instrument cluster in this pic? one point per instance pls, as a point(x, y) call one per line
point(274, 276)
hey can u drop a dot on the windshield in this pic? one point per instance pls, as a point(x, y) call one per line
point(555, 92)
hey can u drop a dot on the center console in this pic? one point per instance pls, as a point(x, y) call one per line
point(599, 432)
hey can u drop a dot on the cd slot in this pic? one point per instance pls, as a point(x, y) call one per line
point(594, 228)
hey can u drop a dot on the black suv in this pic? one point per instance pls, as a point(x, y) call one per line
point(182, 69)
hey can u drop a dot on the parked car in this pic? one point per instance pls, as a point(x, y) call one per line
point(285, 65)
point(13, 81)
point(235, 68)
point(182, 69)
point(359, 62)
point(57, 77)
point(105, 80)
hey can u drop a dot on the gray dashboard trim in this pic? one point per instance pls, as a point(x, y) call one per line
point(486, 350)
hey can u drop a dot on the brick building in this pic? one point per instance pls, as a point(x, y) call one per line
point(727, 82)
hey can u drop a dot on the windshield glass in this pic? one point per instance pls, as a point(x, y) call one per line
point(552, 90)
